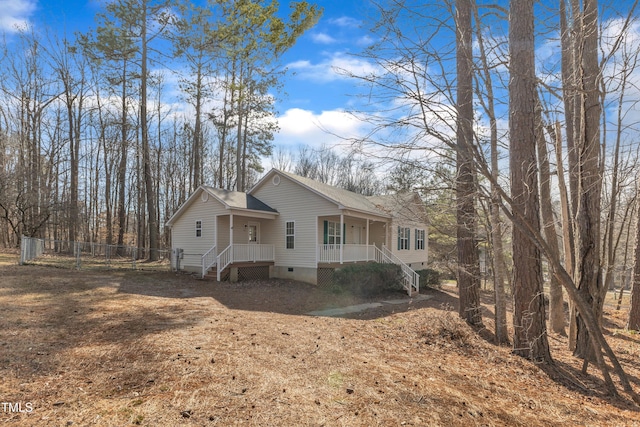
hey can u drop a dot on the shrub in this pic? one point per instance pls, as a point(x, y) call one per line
point(367, 279)
point(430, 277)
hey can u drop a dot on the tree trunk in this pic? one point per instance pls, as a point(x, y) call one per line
point(73, 164)
point(240, 111)
point(468, 262)
point(588, 269)
point(634, 312)
point(122, 166)
point(499, 266)
point(152, 220)
point(570, 37)
point(197, 134)
point(556, 303)
point(530, 335)
point(611, 243)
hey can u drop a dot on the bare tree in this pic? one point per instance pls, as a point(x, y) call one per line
point(556, 302)
point(530, 336)
point(583, 107)
point(468, 262)
point(634, 311)
point(499, 267)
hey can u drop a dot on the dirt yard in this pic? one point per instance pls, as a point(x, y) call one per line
point(160, 349)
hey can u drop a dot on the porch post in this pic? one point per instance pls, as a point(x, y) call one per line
point(367, 239)
point(342, 237)
point(387, 230)
point(231, 235)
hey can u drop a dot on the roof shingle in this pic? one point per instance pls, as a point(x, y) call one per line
point(239, 200)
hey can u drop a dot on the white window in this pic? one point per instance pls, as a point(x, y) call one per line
point(403, 238)
point(419, 239)
point(290, 234)
point(198, 228)
point(332, 233)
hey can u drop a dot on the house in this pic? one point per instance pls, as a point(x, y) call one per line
point(292, 227)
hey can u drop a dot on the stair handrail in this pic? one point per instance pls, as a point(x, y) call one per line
point(209, 259)
point(224, 259)
point(411, 279)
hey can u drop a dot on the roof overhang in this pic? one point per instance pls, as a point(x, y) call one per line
point(364, 214)
point(252, 213)
point(235, 210)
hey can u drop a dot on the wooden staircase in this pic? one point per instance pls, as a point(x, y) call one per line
point(226, 272)
point(212, 274)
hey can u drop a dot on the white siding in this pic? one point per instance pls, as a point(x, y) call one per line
point(183, 232)
point(294, 203)
point(223, 231)
point(415, 258)
point(241, 229)
point(377, 234)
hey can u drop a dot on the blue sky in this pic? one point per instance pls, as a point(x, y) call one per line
point(316, 95)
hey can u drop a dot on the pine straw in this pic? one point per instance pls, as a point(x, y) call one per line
point(114, 349)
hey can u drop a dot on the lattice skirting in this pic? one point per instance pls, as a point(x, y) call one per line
point(325, 277)
point(253, 273)
point(226, 273)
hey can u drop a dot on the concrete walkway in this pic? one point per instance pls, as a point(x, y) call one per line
point(340, 311)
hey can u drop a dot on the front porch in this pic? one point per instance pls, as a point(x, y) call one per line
point(355, 238)
point(335, 256)
point(237, 255)
point(237, 241)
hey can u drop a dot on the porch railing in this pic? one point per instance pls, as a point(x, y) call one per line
point(224, 259)
point(252, 252)
point(350, 253)
point(209, 259)
point(410, 279)
point(353, 253)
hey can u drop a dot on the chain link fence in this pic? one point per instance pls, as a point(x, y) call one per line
point(90, 256)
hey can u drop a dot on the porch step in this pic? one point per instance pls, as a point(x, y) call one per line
point(212, 274)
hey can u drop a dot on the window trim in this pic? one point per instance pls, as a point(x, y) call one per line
point(420, 239)
point(404, 238)
point(291, 235)
point(339, 236)
point(198, 228)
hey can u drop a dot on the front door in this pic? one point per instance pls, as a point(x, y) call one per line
point(254, 232)
point(357, 235)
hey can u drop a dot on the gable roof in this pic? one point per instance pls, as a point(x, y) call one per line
point(238, 200)
point(229, 199)
point(345, 199)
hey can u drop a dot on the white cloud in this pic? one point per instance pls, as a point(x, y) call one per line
point(337, 66)
point(345, 21)
point(305, 127)
point(323, 38)
point(15, 14)
point(365, 41)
